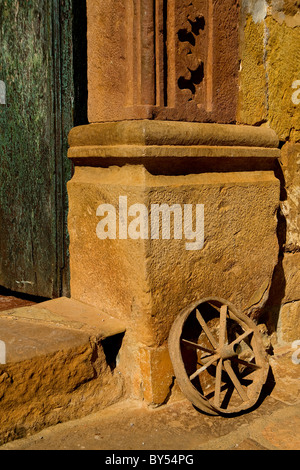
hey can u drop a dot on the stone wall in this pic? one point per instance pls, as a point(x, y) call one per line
point(269, 95)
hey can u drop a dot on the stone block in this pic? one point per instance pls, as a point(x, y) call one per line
point(175, 60)
point(290, 163)
point(125, 277)
point(167, 147)
point(288, 329)
point(269, 73)
point(281, 59)
point(55, 366)
point(285, 291)
point(146, 282)
point(291, 268)
point(286, 374)
point(157, 374)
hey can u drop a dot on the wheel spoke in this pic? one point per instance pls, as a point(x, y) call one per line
point(203, 368)
point(245, 363)
point(204, 360)
point(218, 383)
point(223, 322)
point(197, 346)
point(218, 357)
point(235, 381)
point(206, 329)
point(241, 338)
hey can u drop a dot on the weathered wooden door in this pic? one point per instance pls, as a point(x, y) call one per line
point(36, 114)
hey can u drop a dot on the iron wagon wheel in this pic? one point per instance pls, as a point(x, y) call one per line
point(218, 357)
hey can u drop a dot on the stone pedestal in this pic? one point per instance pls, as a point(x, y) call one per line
point(136, 270)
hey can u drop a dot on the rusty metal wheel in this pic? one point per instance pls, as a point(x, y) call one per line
point(218, 357)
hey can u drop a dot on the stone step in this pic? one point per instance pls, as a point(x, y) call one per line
point(58, 363)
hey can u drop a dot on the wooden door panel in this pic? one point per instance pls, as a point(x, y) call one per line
point(34, 124)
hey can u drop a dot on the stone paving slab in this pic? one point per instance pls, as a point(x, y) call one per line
point(130, 425)
point(178, 426)
point(68, 313)
point(249, 444)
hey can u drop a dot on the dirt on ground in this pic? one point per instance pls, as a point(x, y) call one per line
point(274, 424)
point(179, 426)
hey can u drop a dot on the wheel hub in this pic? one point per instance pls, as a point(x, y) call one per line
point(229, 351)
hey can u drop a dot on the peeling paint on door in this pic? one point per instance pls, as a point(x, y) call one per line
point(37, 75)
point(2, 92)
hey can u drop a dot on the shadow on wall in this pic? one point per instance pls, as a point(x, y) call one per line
point(271, 310)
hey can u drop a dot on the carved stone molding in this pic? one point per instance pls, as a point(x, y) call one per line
point(163, 59)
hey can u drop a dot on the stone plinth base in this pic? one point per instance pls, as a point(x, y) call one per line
point(144, 273)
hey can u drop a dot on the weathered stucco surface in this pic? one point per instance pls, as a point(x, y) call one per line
point(270, 58)
point(270, 95)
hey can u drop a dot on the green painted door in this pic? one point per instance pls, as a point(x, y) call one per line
point(37, 92)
